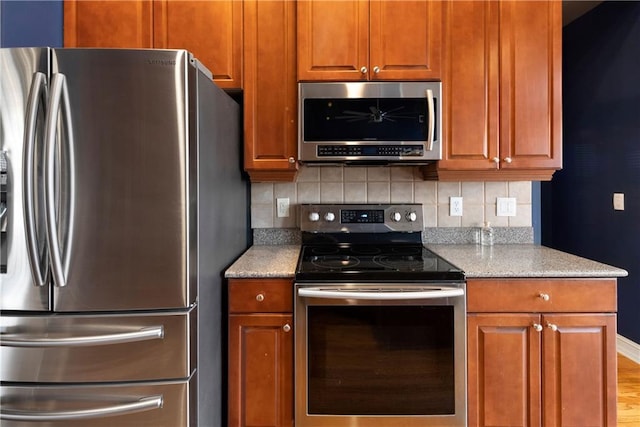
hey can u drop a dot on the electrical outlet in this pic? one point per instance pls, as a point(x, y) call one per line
point(505, 206)
point(618, 201)
point(282, 206)
point(455, 206)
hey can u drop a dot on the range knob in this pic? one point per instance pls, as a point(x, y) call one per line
point(396, 217)
point(329, 217)
point(412, 216)
point(314, 217)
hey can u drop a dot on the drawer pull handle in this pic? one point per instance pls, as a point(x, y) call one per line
point(537, 327)
point(544, 297)
point(552, 326)
point(286, 327)
point(260, 297)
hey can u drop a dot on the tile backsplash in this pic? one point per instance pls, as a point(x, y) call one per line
point(390, 184)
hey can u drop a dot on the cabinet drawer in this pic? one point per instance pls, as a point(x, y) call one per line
point(541, 295)
point(260, 296)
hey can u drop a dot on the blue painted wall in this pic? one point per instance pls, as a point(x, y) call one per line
point(601, 97)
point(25, 23)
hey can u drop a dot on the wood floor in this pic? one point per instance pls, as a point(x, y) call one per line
point(628, 392)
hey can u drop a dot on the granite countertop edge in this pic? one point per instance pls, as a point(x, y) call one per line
point(497, 261)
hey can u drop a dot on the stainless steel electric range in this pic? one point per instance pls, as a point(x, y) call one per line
point(380, 321)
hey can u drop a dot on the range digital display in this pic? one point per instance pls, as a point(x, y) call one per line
point(358, 216)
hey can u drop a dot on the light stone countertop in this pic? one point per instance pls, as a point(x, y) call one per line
point(521, 260)
point(265, 261)
point(526, 260)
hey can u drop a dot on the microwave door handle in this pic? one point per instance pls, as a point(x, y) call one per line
point(432, 119)
point(59, 100)
point(37, 92)
point(136, 405)
point(354, 294)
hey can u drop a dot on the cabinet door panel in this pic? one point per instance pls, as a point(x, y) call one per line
point(580, 370)
point(503, 370)
point(471, 85)
point(531, 92)
point(270, 90)
point(405, 40)
point(260, 370)
point(104, 24)
point(211, 30)
point(333, 39)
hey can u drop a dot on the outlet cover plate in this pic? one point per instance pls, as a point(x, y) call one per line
point(455, 206)
point(505, 206)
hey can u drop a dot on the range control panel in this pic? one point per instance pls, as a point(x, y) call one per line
point(361, 218)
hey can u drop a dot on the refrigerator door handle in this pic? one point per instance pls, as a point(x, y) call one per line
point(143, 334)
point(59, 100)
point(143, 404)
point(37, 91)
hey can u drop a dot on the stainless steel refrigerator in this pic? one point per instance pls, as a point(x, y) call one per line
point(122, 202)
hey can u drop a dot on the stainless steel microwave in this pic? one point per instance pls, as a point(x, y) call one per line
point(370, 122)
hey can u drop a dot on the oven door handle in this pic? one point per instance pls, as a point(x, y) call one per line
point(380, 294)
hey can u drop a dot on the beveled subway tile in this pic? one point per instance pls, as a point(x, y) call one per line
point(355, 174)
point(308, 174)
point(378, 192)
point(425, 192)
point(402, 192)
point(262, 215)
point(331, 174)
point(378, 174)
point(355, 192)
point(523, 216)
point(308, 192)
point(331, 192)
point(262, 192)
point(401, 173)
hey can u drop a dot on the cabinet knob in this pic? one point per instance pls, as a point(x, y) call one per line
point(376, 69)
point(292, 160)
point(507, 160)
point(552, 326)
point(286, 327)
point(543, 296)
point(537, 327)
point(495, 160)
point(363, 70)
point(260, 297)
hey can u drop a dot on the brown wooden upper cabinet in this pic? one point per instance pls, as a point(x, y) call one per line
point(270, 90)
point(502, 91)
point(369, 40)
point(211, 30)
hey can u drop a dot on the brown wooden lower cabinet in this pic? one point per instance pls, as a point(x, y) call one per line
point(550, 367)
point(260, 369)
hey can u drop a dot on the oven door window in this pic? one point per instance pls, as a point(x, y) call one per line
point(380, 360)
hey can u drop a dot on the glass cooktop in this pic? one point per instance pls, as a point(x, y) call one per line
point(378, 262)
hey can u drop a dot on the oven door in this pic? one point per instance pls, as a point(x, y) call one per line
point(380, 355)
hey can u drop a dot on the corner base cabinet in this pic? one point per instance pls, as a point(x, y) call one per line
point(260, 353)
point(542, 352)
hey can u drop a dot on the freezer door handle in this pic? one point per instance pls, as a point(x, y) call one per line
point(24, 340)
point(55, 204)
point(37, 93)
point(143, 404)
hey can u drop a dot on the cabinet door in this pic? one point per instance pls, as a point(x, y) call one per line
point(530, 84)
point(270, 90)
point(117, 24)
point(333, 40)
point(503, 370)
point(579, 356)
point(211, 30)
point(405, 39)
point(260, 370)
point(470, 83)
